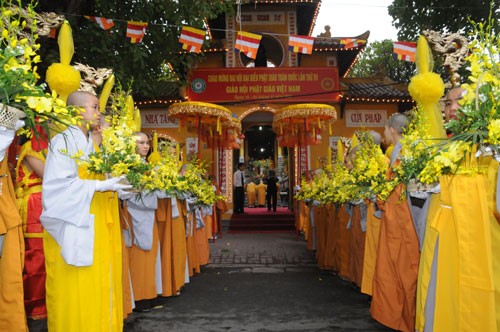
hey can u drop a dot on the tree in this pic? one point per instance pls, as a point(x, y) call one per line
point(377, 60)
point(412, 17)
point(142, 65)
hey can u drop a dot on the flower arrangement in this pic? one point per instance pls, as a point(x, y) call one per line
point(478, 119)
point(192, 182)
point(19, 88)
point(117, 155)
point(165, 172)
point(369, 170)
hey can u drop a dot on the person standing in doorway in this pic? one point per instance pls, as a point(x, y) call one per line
point(272, 191)
point(239, 189)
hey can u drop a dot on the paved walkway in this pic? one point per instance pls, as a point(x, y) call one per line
point(279, 249)
point(261, 282)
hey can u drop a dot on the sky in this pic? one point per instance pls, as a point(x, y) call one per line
point(349, 18)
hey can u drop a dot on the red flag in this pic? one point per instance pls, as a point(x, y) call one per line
point(104, 23)
point(136, 31)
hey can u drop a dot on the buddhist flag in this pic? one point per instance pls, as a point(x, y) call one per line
point(136, 31)
point(300, 44)
point(351, 42)
point(248, 43)
point(192, 39)
point(104, 23)
point(404, 51)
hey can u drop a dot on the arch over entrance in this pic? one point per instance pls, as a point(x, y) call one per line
point(260, 152)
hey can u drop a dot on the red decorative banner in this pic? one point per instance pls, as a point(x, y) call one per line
point(265, 84)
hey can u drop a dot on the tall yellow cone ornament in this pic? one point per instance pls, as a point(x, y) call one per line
point(155, 156)
point(61, 77)
point(427, 88)
point(106, 92)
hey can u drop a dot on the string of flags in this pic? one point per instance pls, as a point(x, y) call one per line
point(191, 40)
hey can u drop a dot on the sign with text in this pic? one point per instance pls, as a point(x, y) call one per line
point(365, 118)
point(267, 18)
point(158, 119)
point(265, 84)
point(333, 148)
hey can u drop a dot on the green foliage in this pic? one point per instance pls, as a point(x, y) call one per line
point(377, 60)
point(143, 63)
point(412, 17)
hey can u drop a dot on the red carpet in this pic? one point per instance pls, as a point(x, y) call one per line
point(261, 220)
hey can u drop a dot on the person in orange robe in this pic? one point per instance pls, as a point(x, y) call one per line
point(330, 215)
point(251, 194)
point(143, 253)
point(192, 250)
point(396, 270)
point(30, 168)
point(12, 313)
point(201, 234)
point(343, 242)
point(219, 209)
point(357, 244)
point(179, 248)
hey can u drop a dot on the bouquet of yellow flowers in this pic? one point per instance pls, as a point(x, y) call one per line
point(478, 119)
point(164, 173)
point(369, 170)
point(193, 182)
point(117, 155)
point(20, 94)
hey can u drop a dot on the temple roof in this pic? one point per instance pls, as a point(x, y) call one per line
point(371, 89)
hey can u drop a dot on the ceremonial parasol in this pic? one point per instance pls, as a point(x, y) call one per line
point(208, 120)
point(301, 125)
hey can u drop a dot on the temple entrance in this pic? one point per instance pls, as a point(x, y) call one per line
point(261, 155)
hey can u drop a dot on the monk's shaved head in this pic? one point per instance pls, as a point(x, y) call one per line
point(78, 98)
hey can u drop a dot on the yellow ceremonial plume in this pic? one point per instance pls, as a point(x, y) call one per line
point(106, 91)
point(340, 151)
point(155, 156)
point(427, 88)
point(61, 77)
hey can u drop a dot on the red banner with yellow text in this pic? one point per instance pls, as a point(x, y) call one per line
point(265, 84)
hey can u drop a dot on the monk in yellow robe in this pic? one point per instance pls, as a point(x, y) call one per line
point(82, 238)
point(261, 194)
point(251, 194)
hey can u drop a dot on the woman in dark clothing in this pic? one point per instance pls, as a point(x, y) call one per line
point(272, 190)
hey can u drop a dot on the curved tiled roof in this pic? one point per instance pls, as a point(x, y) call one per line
point(374, 89)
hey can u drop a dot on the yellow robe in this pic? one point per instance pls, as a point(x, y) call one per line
point(88, 298)
point(459, 242)
point(261, 194)
point(251, 192)
point(12, 315)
